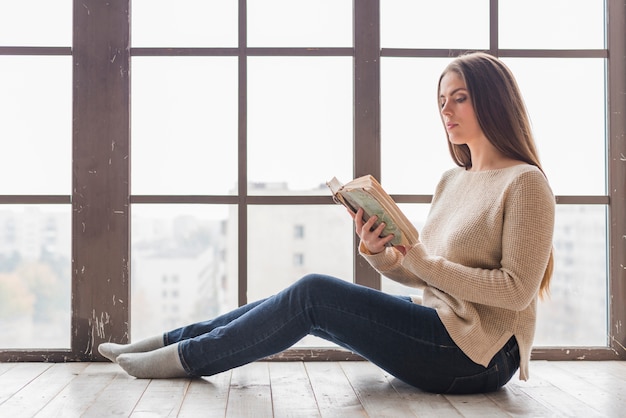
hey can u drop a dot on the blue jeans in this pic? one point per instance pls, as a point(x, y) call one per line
point(407, 340)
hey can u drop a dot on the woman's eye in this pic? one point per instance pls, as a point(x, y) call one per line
point(461, 99)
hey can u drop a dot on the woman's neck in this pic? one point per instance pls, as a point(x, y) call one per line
point(487, 157)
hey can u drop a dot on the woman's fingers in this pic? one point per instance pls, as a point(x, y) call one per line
point(370, 233)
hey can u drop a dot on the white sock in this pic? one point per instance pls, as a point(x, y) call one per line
point(162, 363)
point(112, 350)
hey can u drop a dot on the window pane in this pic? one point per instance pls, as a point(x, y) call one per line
point(566, 102)
point(36, 128)
point(299, 122)
point(184, 23)
point(35, 276)
point(576, 313)
point(326, 247)
point(271, 268)
point(184, 265)
point(184, 125)
point(299, 23)
point(551, 24)
point(414, 145)
point(447, 24)
point(36, 23)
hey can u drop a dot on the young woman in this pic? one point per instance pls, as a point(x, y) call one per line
point(484, 257)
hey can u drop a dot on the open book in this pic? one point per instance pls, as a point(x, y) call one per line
point(365, 192)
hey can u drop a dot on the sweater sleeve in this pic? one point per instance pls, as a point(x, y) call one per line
point(389, 264)
point(526, 244)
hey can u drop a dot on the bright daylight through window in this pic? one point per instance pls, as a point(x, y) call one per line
point(233, 139)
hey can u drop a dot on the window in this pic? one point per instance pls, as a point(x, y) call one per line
point(559, 59)
point(197, 102)
point(35, 165)
point(298, 259)
point(235, 128)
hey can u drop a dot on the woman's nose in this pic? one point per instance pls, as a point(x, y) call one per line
point(445, 109)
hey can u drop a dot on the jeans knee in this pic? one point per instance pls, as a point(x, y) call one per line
point(319, 279)
point(317, 283)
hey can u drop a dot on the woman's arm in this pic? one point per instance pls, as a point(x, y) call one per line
point(386, 260)
point(527, 232)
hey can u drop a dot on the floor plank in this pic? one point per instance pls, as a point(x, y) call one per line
point(516, 403)
point(119, 398)
point(41, 390)
point(605, 400)
point(475, 406)
point(78, 396)
point(620, 364)
point(162, 398)
point(333, 391)
point(207, 396)
point(612, 379)
point(292, 394)
point(250, 392)
point(424, 404)
point(4, 367)
point(377, 395)
point(560, 403)
point(18, 376)
point(326, 389)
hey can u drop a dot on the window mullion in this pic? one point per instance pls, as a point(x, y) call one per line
point(100, 189)
point(366, 107)
point(616, 87)
point(242, 213)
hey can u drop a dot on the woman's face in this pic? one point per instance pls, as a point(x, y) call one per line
point(457, 110)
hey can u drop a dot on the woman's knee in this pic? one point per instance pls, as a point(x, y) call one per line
point(318, 283)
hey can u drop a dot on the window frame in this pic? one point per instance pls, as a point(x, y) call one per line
point(101, 197)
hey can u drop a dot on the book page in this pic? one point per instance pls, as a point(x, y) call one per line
point(361, 199)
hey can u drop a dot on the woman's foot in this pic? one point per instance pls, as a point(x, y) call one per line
point(157, 364)
point(112, 350)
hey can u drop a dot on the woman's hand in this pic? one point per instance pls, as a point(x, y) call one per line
point(403, 250)
point(370, 237)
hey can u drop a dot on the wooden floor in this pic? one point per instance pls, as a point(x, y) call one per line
point(295, 389)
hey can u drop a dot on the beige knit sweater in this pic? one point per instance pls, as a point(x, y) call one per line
point(481, 257)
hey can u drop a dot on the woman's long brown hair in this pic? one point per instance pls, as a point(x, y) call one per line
point(502, 116)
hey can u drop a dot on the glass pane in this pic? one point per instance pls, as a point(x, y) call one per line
point(299, 245)
point(447, 24)
point(307, 23)
point(566, 102)
point(36, 128)
point(184, 125)
point(184, 23)
point(36, 23)
point(553, 24)
point(413, 138)
point(35, 276)
point(300, 122)
point(184, 265)
point(576, 313)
